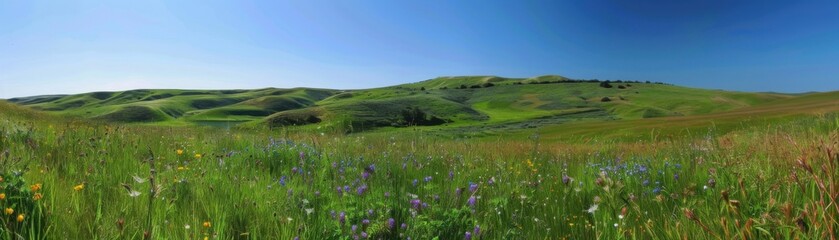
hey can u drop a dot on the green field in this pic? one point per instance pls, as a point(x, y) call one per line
point(516, 160)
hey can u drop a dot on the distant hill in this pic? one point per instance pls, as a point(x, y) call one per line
point(444, 101)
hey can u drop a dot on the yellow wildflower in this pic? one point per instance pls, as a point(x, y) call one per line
point(182, 168)
point(207, 224)
point(9, 211)
point(197, 155)
point(79, 187)
point(2, 196)
point(36, 187)
point(180, 151)
point(37, 196)
point(1, 178)
point(20, 218)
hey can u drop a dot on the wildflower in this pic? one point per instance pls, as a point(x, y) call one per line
point(198, 156)
point(491, 181)
point(471, 201)
point(1, 178)
point(477, 230)
point(365, 175)
point(181, 168)
point(458, 191)
point(416, 203)
point(712, 183)
point(2, 196)
point(354, 227)
point(391, 223)
point(20, 218)
point(207, 224)
point(565, 179)
point(9, 211)
point(415, 182)
point(592, 209)
point(365, 222)
point(187, 226)
point(473, 187)
point(342, 217)
point(36, 187)
point(370, 212)
point(468, 236)
point(451, 175)
point(361, 189)
point(180, 152)
point(79, 187)
point(37, 196)
point(404, 225)
point(427, 179)
point(363, 235)
point(282, 181)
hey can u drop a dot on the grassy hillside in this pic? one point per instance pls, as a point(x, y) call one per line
point(78, 180)
point(451, 102)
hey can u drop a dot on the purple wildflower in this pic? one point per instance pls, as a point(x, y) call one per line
point(473, 187)
point(365, 175)
point(472, 201)
point(451, 175)
point(477, 230)
point(363, 235)
point(468, 236)
point(427, 179)
point(282, 181)
point(566, 179)
point(354, 227)
point(391, 223)
point(342, 217)
point(416, 203)
point(361, 189)
point(458, 191)
point(415, 182)
point(404, 225)
point(365, 222)
point(370, 212)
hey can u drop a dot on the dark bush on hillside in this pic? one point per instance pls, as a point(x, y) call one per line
point(413, 116)
point(489, 84)
point(462, 86)
point(475, 86)
point(605, 84)
point(605, 99)
point(293, 120)
point(422, 89)
point(621, 87)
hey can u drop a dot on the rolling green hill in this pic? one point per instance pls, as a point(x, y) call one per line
point(445, 102)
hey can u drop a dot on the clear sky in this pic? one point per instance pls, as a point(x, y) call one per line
point(82, 46)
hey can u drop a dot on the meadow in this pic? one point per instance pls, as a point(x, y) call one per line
point(66, 178)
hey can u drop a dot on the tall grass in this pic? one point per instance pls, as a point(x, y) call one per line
point(777, 181)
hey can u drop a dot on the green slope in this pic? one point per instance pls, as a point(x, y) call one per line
point(445, 102)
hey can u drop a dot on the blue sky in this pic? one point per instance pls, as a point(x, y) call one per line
point(83, 46)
